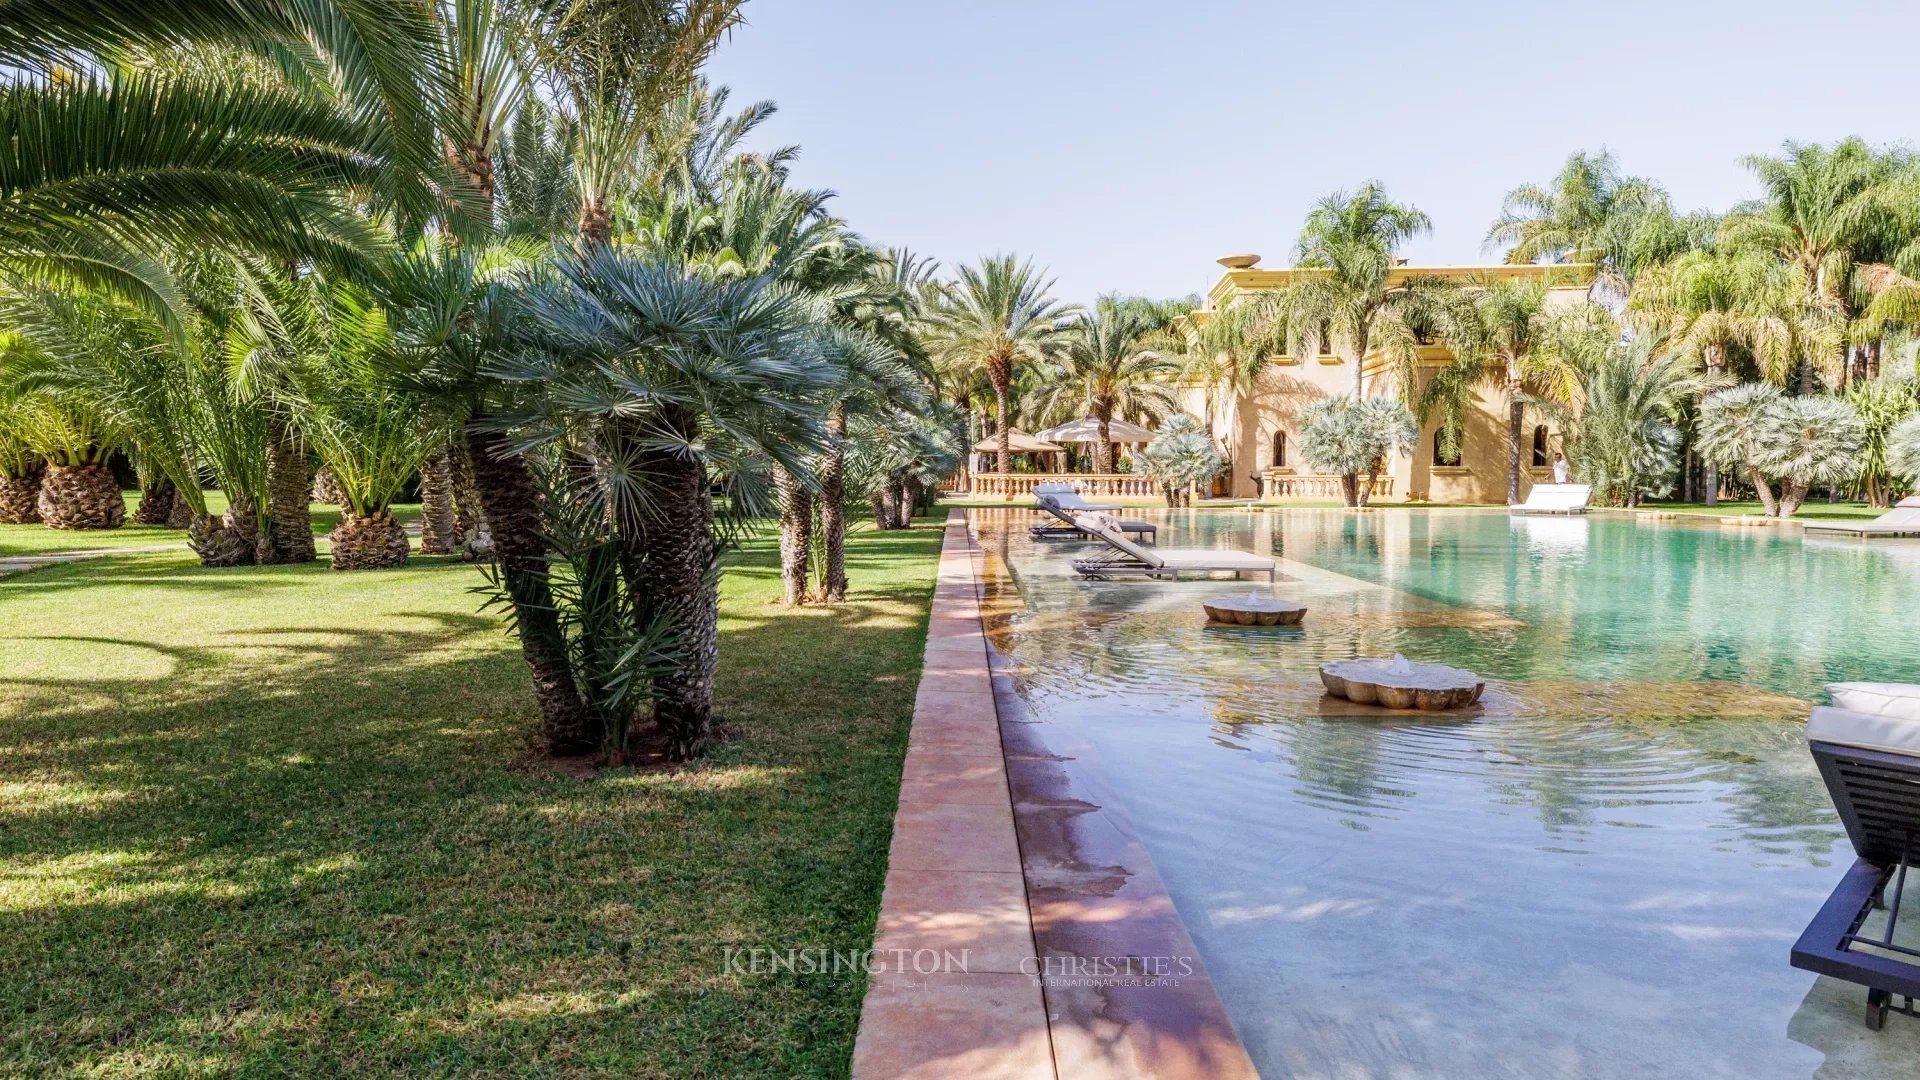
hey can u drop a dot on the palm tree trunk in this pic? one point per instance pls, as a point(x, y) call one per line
point(438, 527)
point(1005, 448)
point(1792, 494)
point(511, 503)
point(911, 489)
point(243, 519)
point(18, 495)
point(679, 570)
point(84, 496)
point(1359, 363)
point(796, 534)
point(833, 518)
point(468, 516)
point(1764, 490)
point(181, 516)
point(1710, 472)
point(156, 502)
point(1516, 421)
point(1350, 488)
point(373, 542)
point(596, 223)
point(289, 534)
point(1103, 450)
point(218, 542)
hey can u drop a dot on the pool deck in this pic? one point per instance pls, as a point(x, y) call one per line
point(1013, 860)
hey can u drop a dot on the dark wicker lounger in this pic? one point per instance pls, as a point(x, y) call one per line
point(1871, 764)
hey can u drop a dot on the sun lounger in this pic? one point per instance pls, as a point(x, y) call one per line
point(1065, 529)
point(1064, 497)
point(1555, 499)
point(1123, 557)
point(1868, 750)
point(1902, 520)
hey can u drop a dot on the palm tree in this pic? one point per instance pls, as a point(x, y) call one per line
point(1625, 442)
point(892, 309)
point(337, 344)
point(611, 68)
point(20, 467)
point(992, 317)
point(1180, 458)
point(1106, 368)
point(1883, 403)
point(673, 374)
point(1822, 210)
point(1527, 350)
point(1356, 302)
point(68, 424)
point(189, 138)
point(1353, 437)
point(1797, 442)
point(1591, 213)
point(1710, 302)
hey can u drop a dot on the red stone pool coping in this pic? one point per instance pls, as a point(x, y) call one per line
point(1023, 931)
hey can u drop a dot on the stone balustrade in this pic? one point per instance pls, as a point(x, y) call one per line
point(1112, 485)
point(1285, 484)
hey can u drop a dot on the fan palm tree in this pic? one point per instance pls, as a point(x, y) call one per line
point(673, 374)
point(1355, 302)
point(1105, 367)
point(992, 317)
point(1354, 437)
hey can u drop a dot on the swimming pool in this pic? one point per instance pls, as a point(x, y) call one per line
point(1598, 875)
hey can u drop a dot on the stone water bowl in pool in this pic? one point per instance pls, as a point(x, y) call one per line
point(1400, 683)
point(1254, 610)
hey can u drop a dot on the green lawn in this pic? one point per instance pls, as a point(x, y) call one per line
point(39, 540)
point(283, 821)
point(1736, 509)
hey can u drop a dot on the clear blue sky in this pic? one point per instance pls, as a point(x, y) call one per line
point(1127, 144)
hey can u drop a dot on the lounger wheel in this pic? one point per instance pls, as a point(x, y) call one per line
point(1876, 1009)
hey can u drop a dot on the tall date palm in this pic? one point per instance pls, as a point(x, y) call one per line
point(996, 315)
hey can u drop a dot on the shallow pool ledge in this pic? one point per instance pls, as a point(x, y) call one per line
point(1023, 931)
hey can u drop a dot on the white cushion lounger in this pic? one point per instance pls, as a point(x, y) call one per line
point(1067, 530)
point(1126, 557)
point(1555, 499)
point(1902, 520)
point(1889, 733)
point(1067, 499)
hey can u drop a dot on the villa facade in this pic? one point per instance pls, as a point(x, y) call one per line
point(1258, 428)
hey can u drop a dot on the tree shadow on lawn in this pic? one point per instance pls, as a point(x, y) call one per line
point(335, 854)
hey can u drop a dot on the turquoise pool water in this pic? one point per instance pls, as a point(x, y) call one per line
point(1599, 875)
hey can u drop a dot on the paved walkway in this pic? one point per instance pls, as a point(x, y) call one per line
point(1023, 932)
point(13, 564)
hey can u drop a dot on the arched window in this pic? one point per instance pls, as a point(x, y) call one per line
point(1440, 455)
point(1279, 449)
point(1540, 447)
